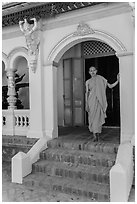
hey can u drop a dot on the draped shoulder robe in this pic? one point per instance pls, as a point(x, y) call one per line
point(97, 103)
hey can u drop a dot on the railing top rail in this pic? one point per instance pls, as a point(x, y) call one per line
point(19, 112)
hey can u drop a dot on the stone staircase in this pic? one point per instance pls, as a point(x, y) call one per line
point(76, 167)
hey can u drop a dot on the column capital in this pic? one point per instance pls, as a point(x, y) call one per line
point(54, 64)
point(10, 72)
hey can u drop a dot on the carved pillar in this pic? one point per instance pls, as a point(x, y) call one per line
point(11, 90)
point(12, 101)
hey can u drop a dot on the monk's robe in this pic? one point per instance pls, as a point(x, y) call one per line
point(97, 103)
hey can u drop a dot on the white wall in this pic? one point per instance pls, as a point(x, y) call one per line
point(12, 43)
point(119, 26)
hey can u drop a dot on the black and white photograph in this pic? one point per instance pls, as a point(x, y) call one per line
point(68, 101)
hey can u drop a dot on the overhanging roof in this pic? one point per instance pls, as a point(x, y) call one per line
point(12, 13)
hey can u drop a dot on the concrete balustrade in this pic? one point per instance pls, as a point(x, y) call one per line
point(22, 163)
point(15, 122)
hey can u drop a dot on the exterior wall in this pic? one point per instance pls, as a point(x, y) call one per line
point(8, 44)
point(123, 31)
point(67, 23)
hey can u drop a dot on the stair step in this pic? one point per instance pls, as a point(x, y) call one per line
point(95, 192)
point(86, 145)
point(78, 157)
point(88, 173)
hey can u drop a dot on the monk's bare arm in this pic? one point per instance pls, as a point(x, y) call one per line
point(114, 84)
point(86, 91)
point(86, 97)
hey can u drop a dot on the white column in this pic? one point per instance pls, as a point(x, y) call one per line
point(127, 109)
point(36, 102)
point(50, 94)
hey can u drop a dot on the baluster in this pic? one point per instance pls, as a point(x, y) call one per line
point(17, 120)
point(25, 121)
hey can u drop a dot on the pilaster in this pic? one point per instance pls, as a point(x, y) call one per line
point(36, 102)
point(50, 94)
point(127, 108)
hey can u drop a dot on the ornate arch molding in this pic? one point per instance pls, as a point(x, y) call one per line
point(84, 33)
point(5, 60)
point(14, 54)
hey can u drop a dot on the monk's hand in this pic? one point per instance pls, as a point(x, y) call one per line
point(87, 108)
point(118, 77)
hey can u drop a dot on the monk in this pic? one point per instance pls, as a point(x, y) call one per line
point(96, 102)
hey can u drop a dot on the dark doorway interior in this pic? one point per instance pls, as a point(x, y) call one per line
point(108, 67)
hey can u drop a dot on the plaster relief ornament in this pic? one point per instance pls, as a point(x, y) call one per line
point(83, 29)
point(31, 34)
point(132, 5)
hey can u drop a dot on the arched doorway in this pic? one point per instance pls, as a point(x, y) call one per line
point(76, 62)
point(125, 60)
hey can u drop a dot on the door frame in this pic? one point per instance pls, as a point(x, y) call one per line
point(95, 57)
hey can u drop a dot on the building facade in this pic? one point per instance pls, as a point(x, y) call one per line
point(101, 35)
point(68, 39)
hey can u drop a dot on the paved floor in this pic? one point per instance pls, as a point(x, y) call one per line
point(110, 134)
point(12, 192)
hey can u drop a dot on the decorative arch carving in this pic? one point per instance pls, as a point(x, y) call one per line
point(84, 33)
point(14, 54)
point(5, 60)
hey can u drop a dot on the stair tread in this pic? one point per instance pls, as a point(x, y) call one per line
point(80, 153)
point(77, 184)
point(73, 167)
point(82, 144)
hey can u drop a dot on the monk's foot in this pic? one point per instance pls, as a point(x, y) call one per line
point(95, 139)
point(99, 137)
